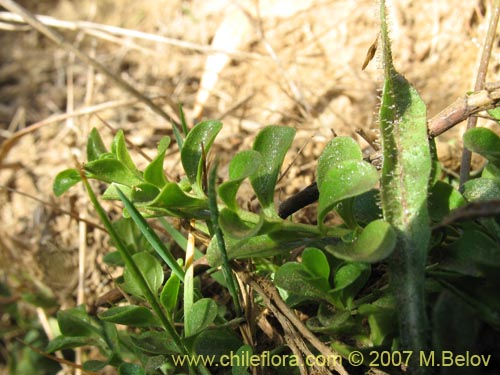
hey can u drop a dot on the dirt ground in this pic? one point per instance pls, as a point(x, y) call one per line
point(248, 63)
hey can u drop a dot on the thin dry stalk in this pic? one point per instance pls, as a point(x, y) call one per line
point(105, 31)
point(479, 85)
point(61, 42)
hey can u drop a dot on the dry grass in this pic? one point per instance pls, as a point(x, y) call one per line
point(294, 63)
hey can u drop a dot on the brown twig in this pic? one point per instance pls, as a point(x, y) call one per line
point(480, 79)
point(287, 317)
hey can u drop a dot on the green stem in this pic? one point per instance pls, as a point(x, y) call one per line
point(226, 269)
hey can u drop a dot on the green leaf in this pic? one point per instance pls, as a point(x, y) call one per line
point(314, 260)
point(381, 316)
point(349, 279)
point(458, 257)
point(338, 150)
point(144, 192)
point(485, 142)
point(443, 199)
point(494, 112)
point(119, 148)
point(202, 314)
point(240, 367)
point(65, 342)
point(154, 171)
point(297, 279)
point(272, 143)
point(152, 237)
point(236, 227)
point(199, 139)
point(151, 270)
point(76, 322)
point(94, 365)
point(136, 316)
point(405, 178)
point(334, 322)
point(154, 342)
point(345, 180)
point(170, 293)
point(95, 146)
point(172, 197)
point(112, 170)
point(257, 246)
point(375, 243)
point(216, 342)
point(65, 180)
point(243, 164)
point(481, 189)
point(130, 369)
point(366, 207)
point(449, 330)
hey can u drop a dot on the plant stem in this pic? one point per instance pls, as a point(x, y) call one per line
point(226, 269)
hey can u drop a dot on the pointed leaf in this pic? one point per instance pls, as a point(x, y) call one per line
point(169, 294)
point(154, 171)
point(199, 139)
point(119, 148)
point(272, 143)
point(406, 172)
point(76, 322)
point(95, 146)
point(172, 197)
point(152, 237)
point(136, 316)
point(65, 342)
point(112, 170)
point(65, 180)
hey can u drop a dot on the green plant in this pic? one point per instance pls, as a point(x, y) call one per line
point(442, 268)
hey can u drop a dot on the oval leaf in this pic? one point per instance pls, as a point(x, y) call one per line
point(297, 279)
point(338, 150)
point(151, 270)
point(485, 142)
point(481, 189)
point(244, 164)
point(347, 179)
point(272, 143)
point(199, 139)
point(376, 242)
point(65, 180)
point(201, 315)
